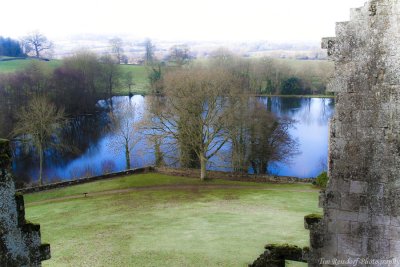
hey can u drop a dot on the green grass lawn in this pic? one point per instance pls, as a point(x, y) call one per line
point(19, 64)
point(164, 227)
point(140, 80)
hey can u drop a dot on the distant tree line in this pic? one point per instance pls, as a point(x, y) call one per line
point(10, 48)
point(265, 76)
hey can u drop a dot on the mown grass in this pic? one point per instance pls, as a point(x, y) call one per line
point(192, 227)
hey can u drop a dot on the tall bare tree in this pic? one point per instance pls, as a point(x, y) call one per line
point(117, 48)
point(149, 51)
point(125, 126)
point(194, 113)
point(36, 42)
point(38, 123)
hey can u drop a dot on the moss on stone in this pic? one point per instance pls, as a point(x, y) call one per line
point(30, 227)
point(312, 219)
point(285, 251)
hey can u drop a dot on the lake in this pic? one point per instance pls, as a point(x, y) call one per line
point(94, 153)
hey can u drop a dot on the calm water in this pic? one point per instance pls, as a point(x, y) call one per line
point(97, 155)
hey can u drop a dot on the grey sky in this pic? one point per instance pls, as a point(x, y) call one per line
point(228, 20)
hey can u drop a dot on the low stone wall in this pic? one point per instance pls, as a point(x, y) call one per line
point(192, 173)
point(84, 180)
point(234, 176)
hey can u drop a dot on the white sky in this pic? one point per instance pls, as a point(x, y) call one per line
point(222, 20)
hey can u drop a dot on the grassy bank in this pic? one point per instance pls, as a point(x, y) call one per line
point(163, 220)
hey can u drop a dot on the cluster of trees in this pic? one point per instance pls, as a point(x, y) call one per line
point(80, 81)
point(33, 100)
point(34, 44)
point(10, 47)
point(205, 108)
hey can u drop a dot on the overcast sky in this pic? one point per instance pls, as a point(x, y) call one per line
point(223, 20)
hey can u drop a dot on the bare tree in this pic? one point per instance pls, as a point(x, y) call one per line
point(180, 54)
point(258, 138)
point(149, 51)
point(111, 72)
point(36, 42)
point(125, 128)
point(116, 48)
point(128, 81)
point(38, 123)
point(194, 113)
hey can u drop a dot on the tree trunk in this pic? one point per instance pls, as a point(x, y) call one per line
point(158, 154)
point(127, 157)
point(40, 165)
point(203, 165)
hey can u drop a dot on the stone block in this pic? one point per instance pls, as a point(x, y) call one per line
point(380, 220)
point(378, 248)
point(339, 227)
point(350, 202)
point(348, 245)
point(395, 221)
point(347, 216)
point(332, 199)
point(358, 187)
point(394, 233)
point(395, 249)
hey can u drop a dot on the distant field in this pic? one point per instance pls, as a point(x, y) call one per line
point(140, 80)
point(318, 69)
point(160, 220)
point(139, 73)
point(18, 64)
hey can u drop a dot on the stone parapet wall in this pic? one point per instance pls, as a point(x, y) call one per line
point(193, 173)
point(84, 180)
point(259, 178)
point(20, 240)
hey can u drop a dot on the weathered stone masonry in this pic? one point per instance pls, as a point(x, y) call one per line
point(20, 242)
point(361, 221)
point(362, 201)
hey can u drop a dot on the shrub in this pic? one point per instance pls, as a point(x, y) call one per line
point(322, 179)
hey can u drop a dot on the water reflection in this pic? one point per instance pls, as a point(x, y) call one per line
point(311, 129)
point(89, 137)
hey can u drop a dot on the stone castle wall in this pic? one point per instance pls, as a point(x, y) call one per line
point(362, 201)
point(20, 242)
point(360, 225)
